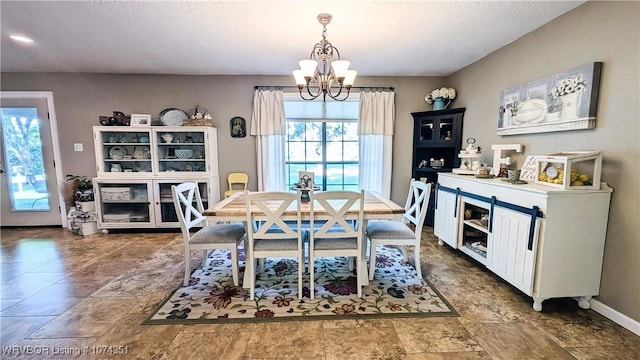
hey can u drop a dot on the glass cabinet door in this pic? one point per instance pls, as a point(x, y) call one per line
point(181, 151)
point(124, 152)
point(427, 129)
point(124, 203)
point(165, 208)
point(445, 129)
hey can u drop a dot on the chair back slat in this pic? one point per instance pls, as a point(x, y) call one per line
point(417, 203)
point(336, 204)
point(265, 215)
point(188, 205)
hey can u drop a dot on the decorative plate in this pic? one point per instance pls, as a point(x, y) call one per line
point(117, 152)
point(173, 117)
point(531, 112)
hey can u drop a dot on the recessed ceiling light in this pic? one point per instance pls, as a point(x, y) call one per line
point(21, 39)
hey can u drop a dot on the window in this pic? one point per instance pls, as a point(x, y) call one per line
point(323, 138)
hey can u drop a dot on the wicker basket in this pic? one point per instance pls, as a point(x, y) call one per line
point(198, 122)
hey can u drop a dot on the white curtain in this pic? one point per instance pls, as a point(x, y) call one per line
point(268, 126)
point(377, 115)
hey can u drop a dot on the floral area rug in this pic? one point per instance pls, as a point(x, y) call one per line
point(211, 296)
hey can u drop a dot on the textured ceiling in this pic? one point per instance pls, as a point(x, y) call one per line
point(381, 38)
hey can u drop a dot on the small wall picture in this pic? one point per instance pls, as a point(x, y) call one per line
point(140, 120)
point(238, 127)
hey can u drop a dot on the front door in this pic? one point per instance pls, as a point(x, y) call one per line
point(28, 181)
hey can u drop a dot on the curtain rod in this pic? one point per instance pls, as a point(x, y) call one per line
point(267, 87)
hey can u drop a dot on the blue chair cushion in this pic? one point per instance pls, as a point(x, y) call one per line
point(382, 229)
point(219, 234)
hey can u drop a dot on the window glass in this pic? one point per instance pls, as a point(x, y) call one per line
point(323, 138)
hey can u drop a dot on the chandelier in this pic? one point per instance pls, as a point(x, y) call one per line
point(319, 74)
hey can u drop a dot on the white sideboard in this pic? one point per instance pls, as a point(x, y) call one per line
point(547, 242)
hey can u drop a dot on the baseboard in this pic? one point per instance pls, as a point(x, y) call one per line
point(616, 316)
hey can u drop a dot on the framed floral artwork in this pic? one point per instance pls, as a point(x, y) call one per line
point(564, 101)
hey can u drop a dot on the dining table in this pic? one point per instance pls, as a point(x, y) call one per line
point(233, 209)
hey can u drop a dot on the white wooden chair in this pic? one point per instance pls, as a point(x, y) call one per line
point(389, 232)
point(272, 234)
point(336, 235)
point(188, 205)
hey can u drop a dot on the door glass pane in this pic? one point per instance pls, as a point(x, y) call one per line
point(26, 177)
point(426, 130)
point(446, 128)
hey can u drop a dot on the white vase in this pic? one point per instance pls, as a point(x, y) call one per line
point(569, 106)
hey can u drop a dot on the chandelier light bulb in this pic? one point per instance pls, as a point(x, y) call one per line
point(299, 76)
point(350, 78)
point(340, 68)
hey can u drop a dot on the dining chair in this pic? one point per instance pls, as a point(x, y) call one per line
point(272, 233)
point(332, 233)
point(390, 232)
point(189, 208)
point(235, 180)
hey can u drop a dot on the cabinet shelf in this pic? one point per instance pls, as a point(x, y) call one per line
point(181, 160)
point(127, 160)
point(477, 224)
point(181, 144)
point(475, 253)
point(426, 144)
point(134, 201)
point(433, 170)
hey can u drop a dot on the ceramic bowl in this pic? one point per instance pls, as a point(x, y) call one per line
point(184, 153)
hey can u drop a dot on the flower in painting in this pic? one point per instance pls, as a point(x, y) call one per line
point(443, 92)
point(340, 286)
point(345, 309)
point(383, 261)
point(193, 281)
point(568, 86)
point(282, 301)
point(179, 314)
point(393, 307)
point(264, 313)
point(221, 297)
point(417, 289)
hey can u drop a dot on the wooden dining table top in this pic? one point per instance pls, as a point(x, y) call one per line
point(375, 207)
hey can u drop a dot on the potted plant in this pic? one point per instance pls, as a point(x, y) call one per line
point(82, 189)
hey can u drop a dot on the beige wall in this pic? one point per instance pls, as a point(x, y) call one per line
point(606, 32)
point(81, 98)
point(597, 31)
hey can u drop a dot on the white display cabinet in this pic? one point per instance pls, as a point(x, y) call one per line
point(124, 204)
point(548, 243)
point(130, 159)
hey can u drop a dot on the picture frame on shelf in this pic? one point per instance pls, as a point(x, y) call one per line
point(140, 120)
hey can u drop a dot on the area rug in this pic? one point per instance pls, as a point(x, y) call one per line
point(211, 296)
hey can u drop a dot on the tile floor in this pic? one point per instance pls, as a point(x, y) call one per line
point(65, 295)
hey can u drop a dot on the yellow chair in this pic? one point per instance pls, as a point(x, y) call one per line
point(235, 179)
